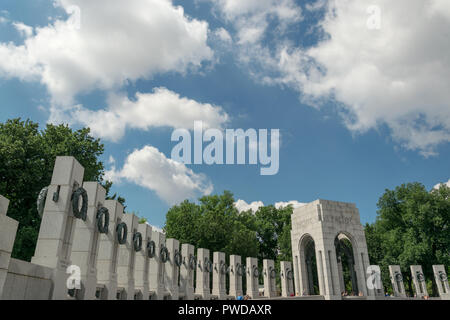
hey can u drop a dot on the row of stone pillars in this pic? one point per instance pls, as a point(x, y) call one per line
point(96, 251)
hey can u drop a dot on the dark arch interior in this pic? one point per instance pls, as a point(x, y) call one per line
point(344, 254)
point(311, 266)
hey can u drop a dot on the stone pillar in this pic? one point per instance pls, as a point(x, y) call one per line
point(108, 252)
point(270, 276)
point(126, 260)
point(252, 277)
point(157, 270)
point(141, 272)
point(54, 245)
point(419, 281)
point(374, 282)
point(287, 276)
point(172, 269)
point(86, 242)
point(8, 229)
point(236, 273)
point(440, 276)
point(202, 287)
point(187, 271)
point(220, 271)
point(397, 281)
point(328, 271)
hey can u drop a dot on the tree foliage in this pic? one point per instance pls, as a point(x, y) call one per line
point(214, 223)
point(412, 228)
point(27, 158)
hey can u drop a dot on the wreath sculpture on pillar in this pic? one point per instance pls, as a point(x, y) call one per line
point(122, 233)
point(102, 220)
point(80, 213)
point(178, 258)
point(137, 241)
point(151, 248)
point(164, 254)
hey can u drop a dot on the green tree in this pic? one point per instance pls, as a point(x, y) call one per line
point(27, 158)
point(412, 227)
point(214, 224)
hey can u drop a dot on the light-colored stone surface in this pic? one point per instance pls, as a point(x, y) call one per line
point(441, 280)
point(27, 281)
point(419, 281)
point(219, 290)
point(398, 285)
point(252, 279)
point(323, 221)
point(235, 276)
point(86, 241)
point(187, 273)
point(126, 260)
point(270, 285)
point(172, 271)
point(54, 245)
point(287, 285)
point(203, 288)
point(108, 253)
point(141, 270)
point(157, 269)
point(8, 230)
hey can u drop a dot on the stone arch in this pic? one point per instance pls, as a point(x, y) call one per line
point(349, 262)
point(308, 266)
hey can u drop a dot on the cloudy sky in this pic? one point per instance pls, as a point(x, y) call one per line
point(359, 91)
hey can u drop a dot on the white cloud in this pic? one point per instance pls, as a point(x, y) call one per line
point(158, 109)
point(396, 77)
point(23, 29)
point(295, 204)
point(251, 18)
point(439, 185)
point(223, 35)
point(172, 181)
point(242, 206)
point(156, 228)
point(115, 43)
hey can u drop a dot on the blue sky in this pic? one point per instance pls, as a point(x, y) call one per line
point(355, 117)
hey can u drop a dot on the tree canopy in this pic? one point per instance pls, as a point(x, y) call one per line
point(412, 228)
point(214, 223)
point(27, 158)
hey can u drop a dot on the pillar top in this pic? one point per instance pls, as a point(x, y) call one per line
point(4, 204)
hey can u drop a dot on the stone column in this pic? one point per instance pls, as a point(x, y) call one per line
point(270, 275)
point(172, 269)
point(54, 245)
point(252, 277)
point(108, 252)
point(202, 287)
point(419, 281)
point(141, 272)
point(287, 276)
point(156, 274)
point(328, 269)
point(86, 242)
point(397, 281)
point(8, 229)
point(236, 273)
point(441, 279)
point(374, 280)
point(126, 260)
point(187, 271)
point(220, 270)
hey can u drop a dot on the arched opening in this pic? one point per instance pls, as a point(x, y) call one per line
point(311, 278)
point(346, 265)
